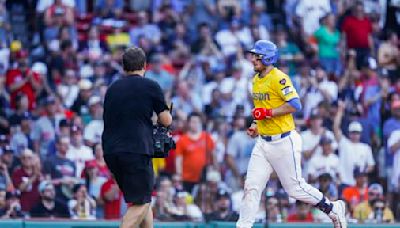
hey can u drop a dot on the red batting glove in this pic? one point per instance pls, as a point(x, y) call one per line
point(261, 113)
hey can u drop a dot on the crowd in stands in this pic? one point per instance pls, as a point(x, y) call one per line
point(57, 58)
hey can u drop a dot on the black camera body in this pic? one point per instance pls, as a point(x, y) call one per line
point(162, 142)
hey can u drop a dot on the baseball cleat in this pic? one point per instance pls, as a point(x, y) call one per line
point(338, 214)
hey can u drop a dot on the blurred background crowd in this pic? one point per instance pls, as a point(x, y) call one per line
point(57, 58)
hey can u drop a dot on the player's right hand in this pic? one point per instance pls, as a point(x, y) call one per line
point(261, 113)
point(252, 131)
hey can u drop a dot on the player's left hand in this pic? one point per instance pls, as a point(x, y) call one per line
point(261, 113)
point(252, 131)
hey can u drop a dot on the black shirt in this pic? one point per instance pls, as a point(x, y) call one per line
point(60, 210)
point(128, 107)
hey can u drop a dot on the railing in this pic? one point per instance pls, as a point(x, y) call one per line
point(34, 223)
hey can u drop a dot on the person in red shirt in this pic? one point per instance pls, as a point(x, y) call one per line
point(27, 178)
point(359, 192)
point(303, 213)
point(98, 162)
point(194, 151)
point(22, 80)
point(112, 197)
point(357, 30)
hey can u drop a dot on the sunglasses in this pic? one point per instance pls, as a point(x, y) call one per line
point(257, 56)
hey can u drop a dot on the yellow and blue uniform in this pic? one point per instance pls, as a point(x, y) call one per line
point(279, 147)
point(270, 92)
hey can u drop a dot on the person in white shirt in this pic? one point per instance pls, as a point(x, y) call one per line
point(393, 144)
point(94, 129)
point(68, 89)
point(311, 12)
point(311, 139)
point(352, 153)
point(229, 39)
point(78, 152)
point(183, 210)
point(320, 89)
point(326, 162)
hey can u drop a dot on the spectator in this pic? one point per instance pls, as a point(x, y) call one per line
point(359, 192)
point(389, 55)
point(238, 153)
point(77, 151)
point(357, 31)
point(49, 207)
point(224, 211)
point(303, 213)
point(181, 210)
point(234, 89)
point(95, 126)
point(205, 39)
point(21, 108)
point(161, 76)
point(83, 206)
point(194, 151)
point(61, 170)
point(320, 89)
point(44, 130)
point(80, 105)
point(289, 52)
point(371, 96)
point(13, 205)
point(3, 206)
point(109, 8)
point(22, 136)
point(145, 29)
point(5, 180)
point(22, 80)
point(311, 12)
point(328, 187)
point(93, 47)
point(393, 145)
point(390, 125)
point(68, 89)
point(229, 39)
point(352, 153)
point(259, 11)
point(380, 213)
point(93, 180)
point(326, 162)
point(99, 162)
point(5, 24)
point(27, 178)
point(311, 139)
point(112, 197)
point(328, 38)
point(164, 199)
point(273, 213)
point(206, 192)
point(8, 162)
point(362, 211)
point(58, 12)
point(60, 61)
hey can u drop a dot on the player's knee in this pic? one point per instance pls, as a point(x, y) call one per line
point(251, 192)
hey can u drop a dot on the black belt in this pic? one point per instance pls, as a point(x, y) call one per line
point(270, 138)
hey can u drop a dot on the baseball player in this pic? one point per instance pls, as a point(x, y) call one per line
point(278, 145)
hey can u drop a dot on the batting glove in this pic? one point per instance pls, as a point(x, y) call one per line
point(261, 113)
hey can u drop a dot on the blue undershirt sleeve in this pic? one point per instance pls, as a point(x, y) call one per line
point(295, 103)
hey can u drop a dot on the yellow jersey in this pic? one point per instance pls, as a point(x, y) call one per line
point(270, 92)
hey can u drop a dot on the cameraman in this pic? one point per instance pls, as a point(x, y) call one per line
point(128, 135)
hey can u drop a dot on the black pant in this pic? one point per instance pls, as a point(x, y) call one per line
point(133, 174)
